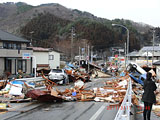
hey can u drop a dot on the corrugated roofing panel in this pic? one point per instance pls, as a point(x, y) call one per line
point(150, 48)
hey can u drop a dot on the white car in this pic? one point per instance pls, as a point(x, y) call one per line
point(59, 76)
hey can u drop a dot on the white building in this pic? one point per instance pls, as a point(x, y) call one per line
point(46, 58)
point(146, 55)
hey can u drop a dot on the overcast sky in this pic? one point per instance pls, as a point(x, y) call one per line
point(145, 11)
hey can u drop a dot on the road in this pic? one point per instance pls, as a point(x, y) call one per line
point(63, 111)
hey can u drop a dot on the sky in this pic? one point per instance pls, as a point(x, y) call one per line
point(144, 11)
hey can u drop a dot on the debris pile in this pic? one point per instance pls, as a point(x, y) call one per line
point(156, 107)
point(137, 97)
point(113, 91)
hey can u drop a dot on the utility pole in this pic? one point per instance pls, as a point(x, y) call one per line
point(88, 59)
point(125, 55)
point(153, 47)
point(72, 33)
point(91, 54)
point(79, 56)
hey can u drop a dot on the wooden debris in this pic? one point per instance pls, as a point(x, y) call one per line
point(139, 112)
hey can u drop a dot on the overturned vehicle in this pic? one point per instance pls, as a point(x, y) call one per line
point(138, 73)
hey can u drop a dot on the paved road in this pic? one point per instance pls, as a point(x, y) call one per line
point(63, 111)
point(66, 111)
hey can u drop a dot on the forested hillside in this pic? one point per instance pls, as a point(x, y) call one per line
point(50, 25)
point(51, 31)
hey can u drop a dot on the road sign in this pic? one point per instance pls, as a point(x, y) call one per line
point(26, 56)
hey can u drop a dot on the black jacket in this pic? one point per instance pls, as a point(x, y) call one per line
point(149, 88)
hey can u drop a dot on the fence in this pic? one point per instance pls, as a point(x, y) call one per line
point(125, 108)
point(33, 79)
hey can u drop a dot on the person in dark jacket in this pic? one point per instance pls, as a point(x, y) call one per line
point(148, 96)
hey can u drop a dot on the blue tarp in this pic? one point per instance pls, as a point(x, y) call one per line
point(122, 74)
point(17, 82)
point(68, 68)
point(71, 65)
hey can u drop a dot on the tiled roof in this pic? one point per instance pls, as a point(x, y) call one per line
point(5, 36)
point(40, 49)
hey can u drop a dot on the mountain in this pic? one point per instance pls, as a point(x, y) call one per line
point(52, 24)
point(13, 16)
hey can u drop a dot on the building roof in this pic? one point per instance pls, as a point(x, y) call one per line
point(156, 63)
point(134, 53)
point(143, 52)
point(150, 48)
point(40, 49)
point(5, 36)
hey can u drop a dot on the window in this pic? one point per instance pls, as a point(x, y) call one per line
point(14, 46)
point(9, 45)
point(51, 57)
point(18, 46)
point(22, 65)
point(4, 45)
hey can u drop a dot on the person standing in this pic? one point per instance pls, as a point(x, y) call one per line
point(148, 96)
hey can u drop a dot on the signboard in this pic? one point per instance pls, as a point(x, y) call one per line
point(26, 56)
point(121, 50)
point(116, 56)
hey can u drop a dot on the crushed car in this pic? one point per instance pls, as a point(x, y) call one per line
point(58, 76)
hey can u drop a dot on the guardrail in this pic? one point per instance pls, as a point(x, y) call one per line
point(33, 79)
point(125, 108)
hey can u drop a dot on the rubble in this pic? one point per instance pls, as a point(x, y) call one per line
point(138, 92)
point(113, 91)
point(43, 96)
point(3, 84)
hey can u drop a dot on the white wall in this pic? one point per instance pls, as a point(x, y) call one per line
point(41, 57)
point(56, 60)
point(23, 45)
point(28, 66)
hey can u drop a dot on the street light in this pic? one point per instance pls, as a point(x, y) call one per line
point(127, 39)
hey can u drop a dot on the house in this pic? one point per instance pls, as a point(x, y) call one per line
point(146, 55)
point(11, 53)
point(46, 58)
